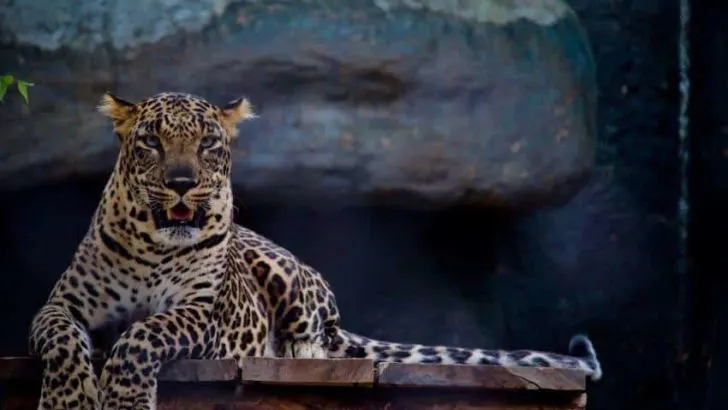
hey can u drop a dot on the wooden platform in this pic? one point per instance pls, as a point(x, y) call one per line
point(351, 384)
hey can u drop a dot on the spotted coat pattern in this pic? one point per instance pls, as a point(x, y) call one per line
point(162, 253)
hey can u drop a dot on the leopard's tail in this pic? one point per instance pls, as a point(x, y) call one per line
point(582, 355)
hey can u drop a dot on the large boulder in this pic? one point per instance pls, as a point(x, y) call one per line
point(415, 103)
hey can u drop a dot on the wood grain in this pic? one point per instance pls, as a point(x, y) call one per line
point(340, 372)
point(480, 377)
point(199, 371)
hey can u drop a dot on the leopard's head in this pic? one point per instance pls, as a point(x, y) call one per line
point(175, 162)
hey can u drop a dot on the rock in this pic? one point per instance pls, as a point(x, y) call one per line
point(407, 102)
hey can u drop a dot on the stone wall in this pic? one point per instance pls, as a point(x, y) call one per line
point(360, 103)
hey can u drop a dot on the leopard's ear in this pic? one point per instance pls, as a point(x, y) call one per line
point(121, 112)
point(235, 112)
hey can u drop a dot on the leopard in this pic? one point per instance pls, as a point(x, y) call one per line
point(163, 252)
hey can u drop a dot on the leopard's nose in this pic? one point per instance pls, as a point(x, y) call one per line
point(180, 179)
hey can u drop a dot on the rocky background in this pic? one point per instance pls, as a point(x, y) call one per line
point(461, 175)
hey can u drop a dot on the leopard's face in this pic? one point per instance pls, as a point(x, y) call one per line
point(175, 161)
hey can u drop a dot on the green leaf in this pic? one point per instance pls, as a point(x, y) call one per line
point(23, 89)
point(7, 80)
point(3, 90)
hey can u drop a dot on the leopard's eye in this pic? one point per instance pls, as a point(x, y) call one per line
point(151, 141)
point(208, 141)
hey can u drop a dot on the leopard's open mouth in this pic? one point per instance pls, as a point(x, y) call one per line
point(179, 216)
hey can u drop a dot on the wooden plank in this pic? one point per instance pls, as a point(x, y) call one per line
point(480, 377)
point(328, 372)
point(199, 371)
point(224, 396)
point(29, 368)
point(340, 372)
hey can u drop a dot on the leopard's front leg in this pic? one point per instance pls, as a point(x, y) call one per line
point(304, 328)
point(64, 347)
point(129, 377)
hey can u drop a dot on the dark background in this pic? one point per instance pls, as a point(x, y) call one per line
point(605, 263)
point(707, 327)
